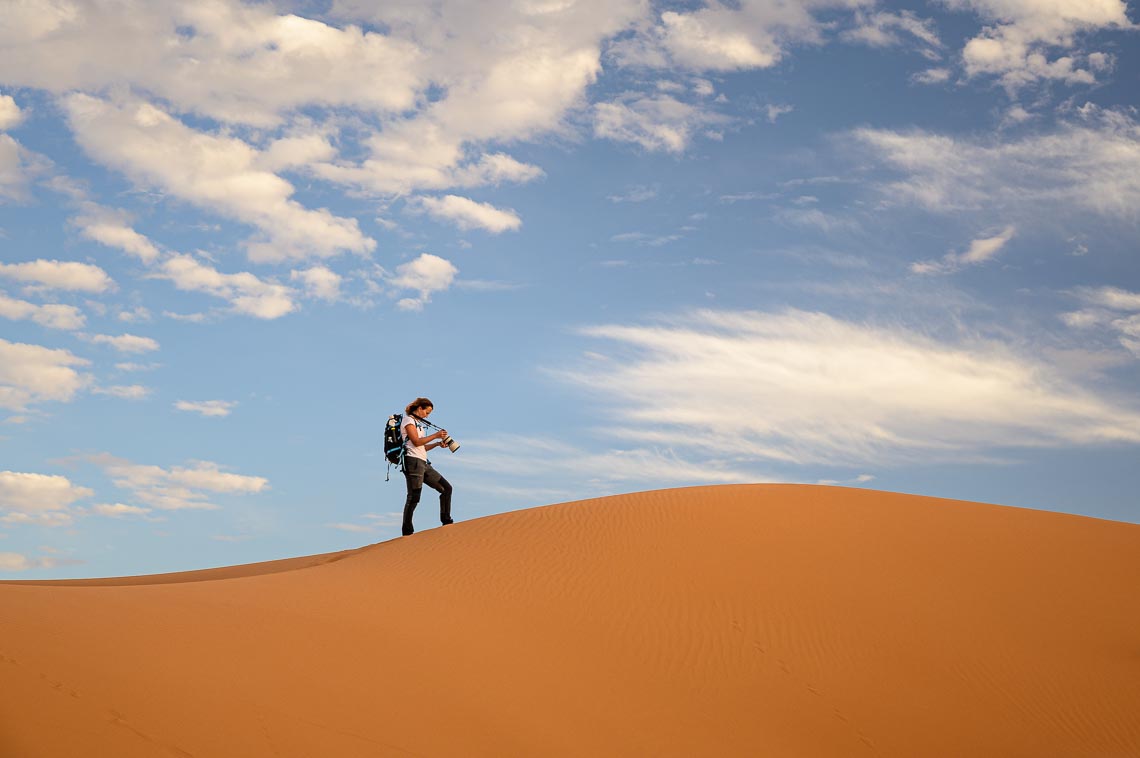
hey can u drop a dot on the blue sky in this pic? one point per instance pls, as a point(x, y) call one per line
point(621, 245)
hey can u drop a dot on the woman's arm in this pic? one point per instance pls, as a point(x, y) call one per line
point(414, 435)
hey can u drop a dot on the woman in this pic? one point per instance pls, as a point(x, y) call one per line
point(417, 470)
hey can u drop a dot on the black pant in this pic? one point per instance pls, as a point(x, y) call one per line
point(418, 472)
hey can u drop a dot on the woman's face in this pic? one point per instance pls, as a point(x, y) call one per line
point(425, 411)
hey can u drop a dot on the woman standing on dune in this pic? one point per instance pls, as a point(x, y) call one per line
point(418, 471)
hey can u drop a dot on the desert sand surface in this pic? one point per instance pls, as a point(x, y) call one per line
point(754, 620)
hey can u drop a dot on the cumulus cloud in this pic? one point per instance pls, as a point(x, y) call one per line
point(245, 292)
point(1016, 47)
point(52, 316)
point(1091, 163)
point(507, 71)
point(124, 343)
point(980, 251)
point(40, 499)
point(179, 487)
point(216, 172)
point(426, 274)
point(468, 214)
point(58, 275)
point(810, 388)
point(217, 408)
point(34, 374)
point(228, 60)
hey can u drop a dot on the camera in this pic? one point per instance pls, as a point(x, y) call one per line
point(452, 445)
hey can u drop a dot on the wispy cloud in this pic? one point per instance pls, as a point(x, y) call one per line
point(1091, 164)
point(980, 251)
point(215, 408)
point(810, 388)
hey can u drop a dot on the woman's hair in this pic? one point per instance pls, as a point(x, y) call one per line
point(419, 402)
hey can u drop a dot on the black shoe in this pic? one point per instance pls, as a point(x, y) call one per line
point(407, 530)
point(445, 523)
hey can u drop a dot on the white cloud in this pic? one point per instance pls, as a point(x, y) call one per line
point(218, 408)
point(136, 314)
point(710, 39)
point(657, 123)
point(59, 275)
point(809, 388)
point(319, 282)
point(426, 274)
point(179, 487)
point(932, 76)
point(980, 251)
point(119, 510)
point(125, 343)
point(216, 172)
point(227, 60)
point(124, 391)
point(297, 151)
point(1113, 309)
point(879, 29)
point(468, 214)
point(1015, 49)
point(10, 113)
point(40, 499)
point(35, 374)
point(1092, 164)
point(14, 170)
point(506, 71)
point(245, 292)
point(775, 111)
point(137, 366)
point(112, 228)
point(52, 316)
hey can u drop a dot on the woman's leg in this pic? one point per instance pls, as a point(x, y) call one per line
point(414, 476)
point(433, 479)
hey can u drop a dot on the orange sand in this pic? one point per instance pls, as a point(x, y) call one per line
point(769, 620)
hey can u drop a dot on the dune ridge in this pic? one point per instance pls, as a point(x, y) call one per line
point(750, 620)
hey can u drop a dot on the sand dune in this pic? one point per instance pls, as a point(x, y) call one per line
point(767, 620)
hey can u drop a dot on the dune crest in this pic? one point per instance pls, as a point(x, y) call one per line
point(737, 620)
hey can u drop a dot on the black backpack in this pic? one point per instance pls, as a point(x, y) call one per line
point(394, 440)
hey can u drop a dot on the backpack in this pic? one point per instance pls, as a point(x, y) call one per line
point(394, 440)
